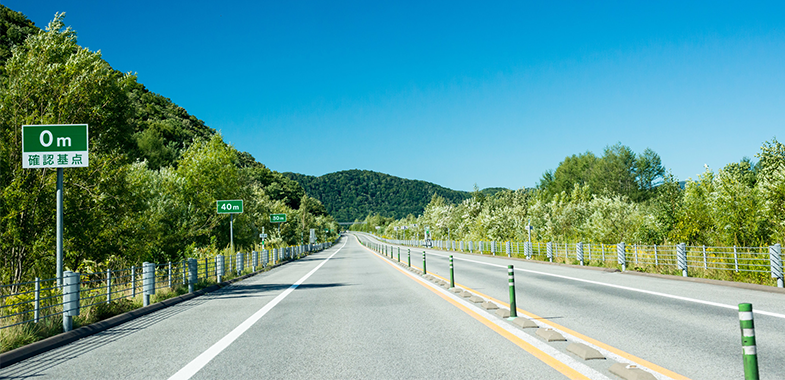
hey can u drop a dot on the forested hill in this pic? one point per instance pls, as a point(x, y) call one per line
point(353, 194)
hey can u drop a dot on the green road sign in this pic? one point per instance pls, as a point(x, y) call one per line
point(277, 218)
point(230, 207)
point(54, 146)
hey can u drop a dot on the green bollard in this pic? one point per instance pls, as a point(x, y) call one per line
point(452, 275)
point(749, 350)
point(424, 271)
point(409, 258)
point(511, 281)
point(399, 254)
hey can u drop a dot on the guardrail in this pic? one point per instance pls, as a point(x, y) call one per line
point(724, 261)
point(34, 301)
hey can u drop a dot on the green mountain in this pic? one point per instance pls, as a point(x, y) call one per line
point(353, 194)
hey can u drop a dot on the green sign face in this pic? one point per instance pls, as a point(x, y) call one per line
point(55, 146)
point(277, 218)
point(230, 207)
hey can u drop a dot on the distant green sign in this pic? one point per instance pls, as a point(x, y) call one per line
point(55, 146)
point(230, 207)
point(277, 218)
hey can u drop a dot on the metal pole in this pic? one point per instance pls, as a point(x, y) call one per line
point(59, 226)
point(511, 281)
point(37, 297)
point(749, 350)
point(108, 286)
point(231, 232)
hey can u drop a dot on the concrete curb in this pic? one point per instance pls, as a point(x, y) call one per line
point(16, 355)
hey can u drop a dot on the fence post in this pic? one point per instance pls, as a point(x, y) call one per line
point(424, 271)
point(588, 248)
point(549, 250)
point(681, 258)
point(148, 282)
point(206, 269)
point(239, 267)
point(735, 259)
point(183, 266)
point(749, 349)
point(254, 260)
point(603, 253)
point(775, 258)
point(170, 275)
point(71, 282)
point(656, 261)
point(511, 282)
point(37, 298)
point(493, 248)
point(219, 267)
point(579, 252)
point(191, 275)
point(452, 277)
point(133, 281)
point(705, 265)
point(621, 256)
point(636, 254)
point(108, 286)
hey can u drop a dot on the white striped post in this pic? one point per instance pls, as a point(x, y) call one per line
point(775, 259)
point(579, 252)
point(621, 256)
point(549, 250)
point(749, 349)
point(681, 258)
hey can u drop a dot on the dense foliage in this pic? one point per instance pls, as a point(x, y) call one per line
point(155, 171)
point(352, 194)
point(620, 196)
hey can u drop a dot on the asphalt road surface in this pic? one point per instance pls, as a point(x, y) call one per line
point(343, 313)
point(691, 329)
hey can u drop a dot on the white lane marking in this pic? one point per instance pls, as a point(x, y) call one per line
point(197, 364)
point(710, 303)
point(538, 344)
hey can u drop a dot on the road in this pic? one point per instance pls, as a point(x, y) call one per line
point(343, 313)
point(691, 329)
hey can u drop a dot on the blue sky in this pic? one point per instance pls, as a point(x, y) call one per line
point(452, 92)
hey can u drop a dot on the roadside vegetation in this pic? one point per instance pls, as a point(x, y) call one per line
point(155, 170)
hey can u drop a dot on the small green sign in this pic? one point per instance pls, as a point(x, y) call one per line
point(55, 146)
point(230, 207)
point(277, 218)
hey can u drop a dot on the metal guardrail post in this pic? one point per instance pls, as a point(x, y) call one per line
point(71, 282)
point(148, 282)
point(192, 275)
point(656, 261)
point(493, 248)
point(549, 250)
point(424, 271)
point(254, 260)
point(239, 267)
point(681, 259)
point(775, 260)
point(579, 252)
point(170, 275)
point(133, 281)
point(183, 267)
point(511, 283)
point(749, 349)
point(507, 248)
point(452, 274)
point(705, 264)
point(219, 268)
point(108, 286)
point(621, 255)
point(37, 298)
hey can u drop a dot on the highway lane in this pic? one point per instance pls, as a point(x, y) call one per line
point(697, 340)
point(353, 315)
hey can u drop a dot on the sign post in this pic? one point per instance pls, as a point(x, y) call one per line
point(278, 218)
point(56, 146)
point(230, 207)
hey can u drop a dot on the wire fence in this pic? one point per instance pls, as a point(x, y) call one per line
point(761, 265)
point(40, 299)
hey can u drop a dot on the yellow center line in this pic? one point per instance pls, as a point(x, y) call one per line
point(537, 353)
point(595, 342)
